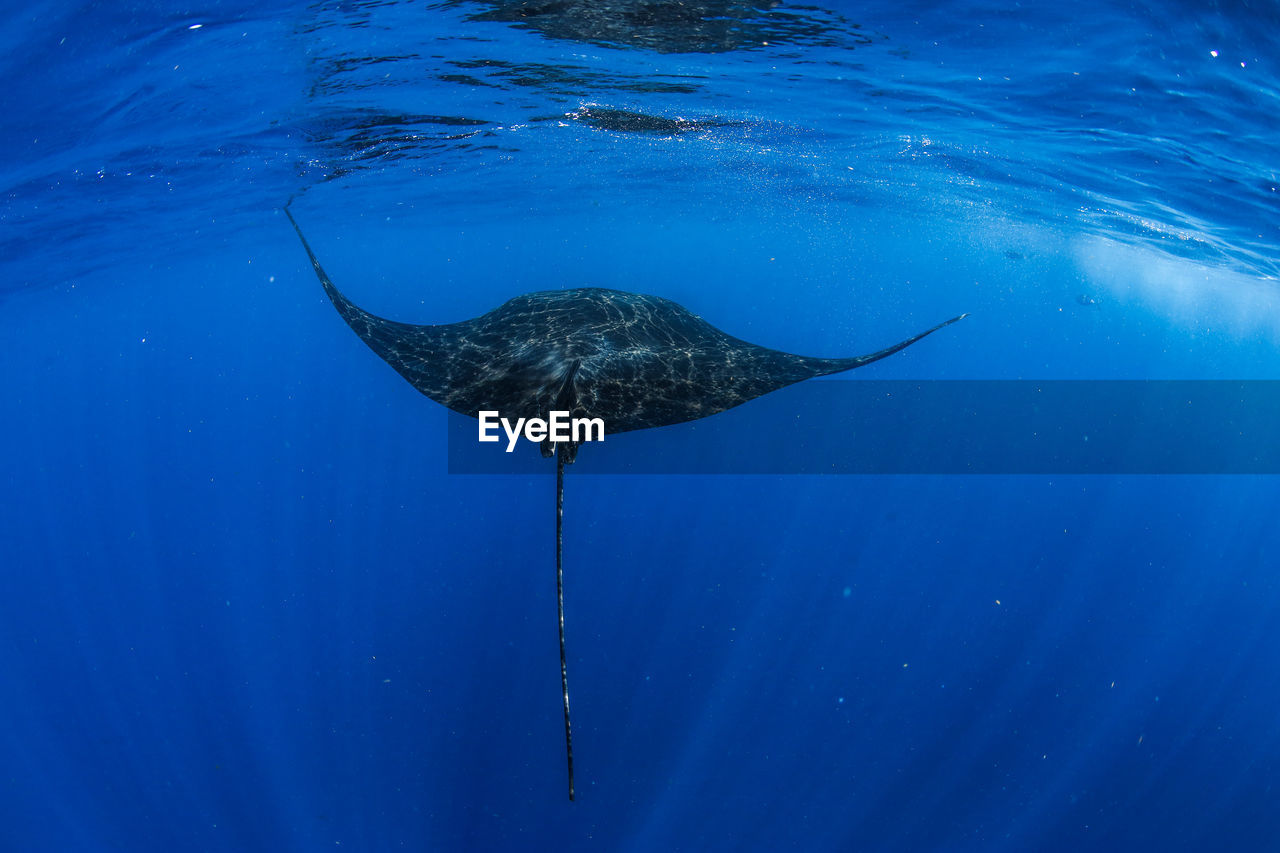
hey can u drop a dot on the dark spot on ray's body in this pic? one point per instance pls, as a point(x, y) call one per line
point(635, 361)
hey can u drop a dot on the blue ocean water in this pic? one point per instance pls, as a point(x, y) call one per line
point(246, 608)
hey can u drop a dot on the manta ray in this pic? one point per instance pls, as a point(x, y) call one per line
point(632, 360)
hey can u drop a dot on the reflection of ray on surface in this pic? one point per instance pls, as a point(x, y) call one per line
point(677, 26)
point(563, 79)
point(626, 121)
point(367, 137)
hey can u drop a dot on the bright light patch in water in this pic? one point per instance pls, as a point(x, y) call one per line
point(1189, 293)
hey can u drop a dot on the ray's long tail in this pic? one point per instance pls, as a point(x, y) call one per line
point(564, 670)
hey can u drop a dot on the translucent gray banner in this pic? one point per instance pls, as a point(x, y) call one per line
point(938, 427)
